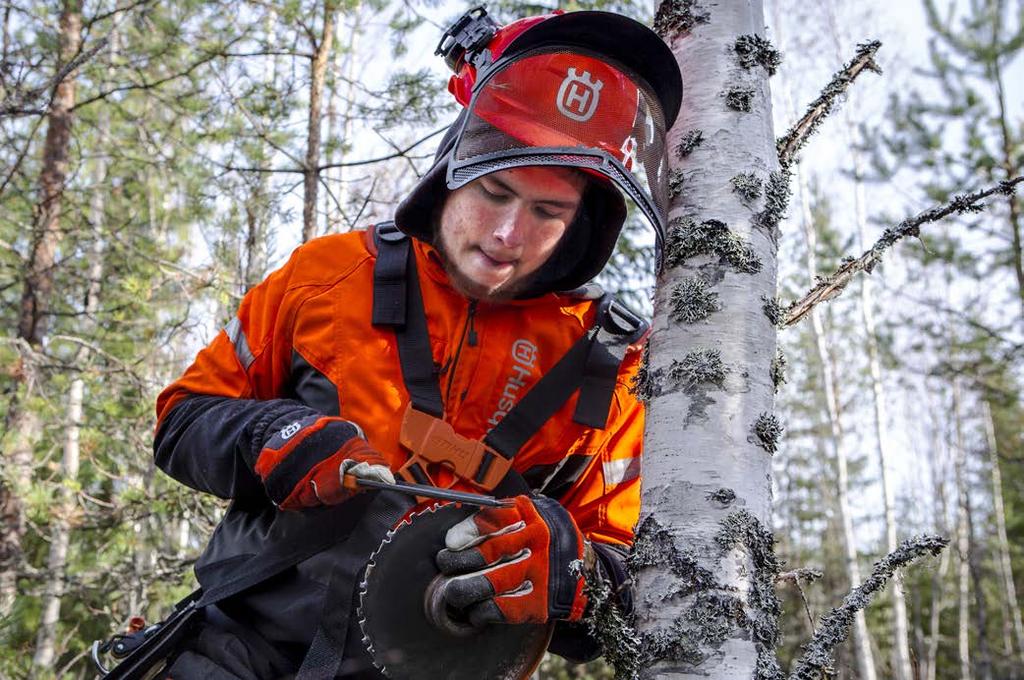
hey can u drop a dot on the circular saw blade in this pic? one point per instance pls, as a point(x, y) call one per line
point(403, 643)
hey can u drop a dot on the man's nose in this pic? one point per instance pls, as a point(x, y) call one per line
point(511, 226)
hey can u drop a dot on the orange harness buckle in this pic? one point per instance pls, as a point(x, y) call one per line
point(433, 441)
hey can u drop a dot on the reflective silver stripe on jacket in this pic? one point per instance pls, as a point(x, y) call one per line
point(622, 470)
point(241, 343)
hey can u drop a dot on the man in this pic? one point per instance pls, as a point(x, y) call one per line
point(454, 317)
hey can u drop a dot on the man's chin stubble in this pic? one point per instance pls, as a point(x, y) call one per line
point(473, 290)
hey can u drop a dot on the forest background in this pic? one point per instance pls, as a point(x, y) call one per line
point(191, 145)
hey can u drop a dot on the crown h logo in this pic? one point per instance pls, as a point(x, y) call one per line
point(578, 96)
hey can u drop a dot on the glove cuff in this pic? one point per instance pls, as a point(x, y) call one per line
point(565, 586)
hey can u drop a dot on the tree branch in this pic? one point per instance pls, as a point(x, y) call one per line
point(15, 104)
point(835, 626)
point(830, 286)
point(790, 144)
point(346, 164)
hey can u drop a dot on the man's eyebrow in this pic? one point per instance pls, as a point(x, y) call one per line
point(567, 205)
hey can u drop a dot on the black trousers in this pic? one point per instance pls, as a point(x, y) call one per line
point(222, 649)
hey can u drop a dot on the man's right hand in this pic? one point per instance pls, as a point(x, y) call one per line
point(303, 462)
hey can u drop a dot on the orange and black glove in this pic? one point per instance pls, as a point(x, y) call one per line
point(306, 456)
point(515, 564)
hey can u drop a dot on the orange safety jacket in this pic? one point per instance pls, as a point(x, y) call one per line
point(305, 334)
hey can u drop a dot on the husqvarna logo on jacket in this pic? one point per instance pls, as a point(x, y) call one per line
point(578, 96)
point(524, 358)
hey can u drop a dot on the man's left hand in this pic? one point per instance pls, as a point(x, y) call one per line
point(512, 564)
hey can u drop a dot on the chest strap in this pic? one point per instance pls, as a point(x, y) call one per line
point(591, 366)
point(397, 302)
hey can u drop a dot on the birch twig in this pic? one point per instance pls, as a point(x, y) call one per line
point(832, 285)
point(790, 144)
point(835, 626)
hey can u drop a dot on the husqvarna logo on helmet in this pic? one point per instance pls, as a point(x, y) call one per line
point(578, 96)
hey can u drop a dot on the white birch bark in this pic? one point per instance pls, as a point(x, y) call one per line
point(962, 542)
point(861, 639)
point(699, 438)
point(1003, 547)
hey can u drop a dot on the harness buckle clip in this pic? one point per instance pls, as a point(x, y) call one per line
point(432, 441)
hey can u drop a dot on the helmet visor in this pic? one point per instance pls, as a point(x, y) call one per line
point(558, 107)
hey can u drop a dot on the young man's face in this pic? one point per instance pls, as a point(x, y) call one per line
point(496, 231)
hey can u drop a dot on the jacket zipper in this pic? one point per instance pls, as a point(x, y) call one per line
point(453, 364)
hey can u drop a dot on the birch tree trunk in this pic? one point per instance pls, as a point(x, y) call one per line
point(1003, 545)
point(861, 639)
point(24, 424)
point(710, 429)
point(984, 656)
point(962, 543)
point(939, 575)
point(318, 73)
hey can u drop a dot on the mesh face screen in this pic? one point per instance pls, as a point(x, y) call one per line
point(568, 108)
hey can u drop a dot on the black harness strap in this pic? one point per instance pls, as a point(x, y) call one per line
point(617, 328)
point(398, 302)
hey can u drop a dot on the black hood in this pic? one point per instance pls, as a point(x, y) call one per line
point(585, 249)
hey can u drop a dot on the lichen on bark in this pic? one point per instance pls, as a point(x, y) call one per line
point(768, 432)
point(778, 369)
point(747, 185)
point(688, 238)
point(675, 17)
point(646, 383)
point(723, 496)
point(741, 528)
point(753, 50)
point(693, 300)
point(690, 141)
point(774, 310)
point(740, 99)
point(701, 366)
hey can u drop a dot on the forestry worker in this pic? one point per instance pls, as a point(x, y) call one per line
point(471, 308)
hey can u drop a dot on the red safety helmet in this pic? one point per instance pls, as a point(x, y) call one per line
point(591, 90)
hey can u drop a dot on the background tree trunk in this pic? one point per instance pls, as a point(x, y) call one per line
point(67, 506)
point(830, 381)
point(24, 426)
point(700, 442)
point(318, 73)
point(963, 543)
point(1003, 545)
